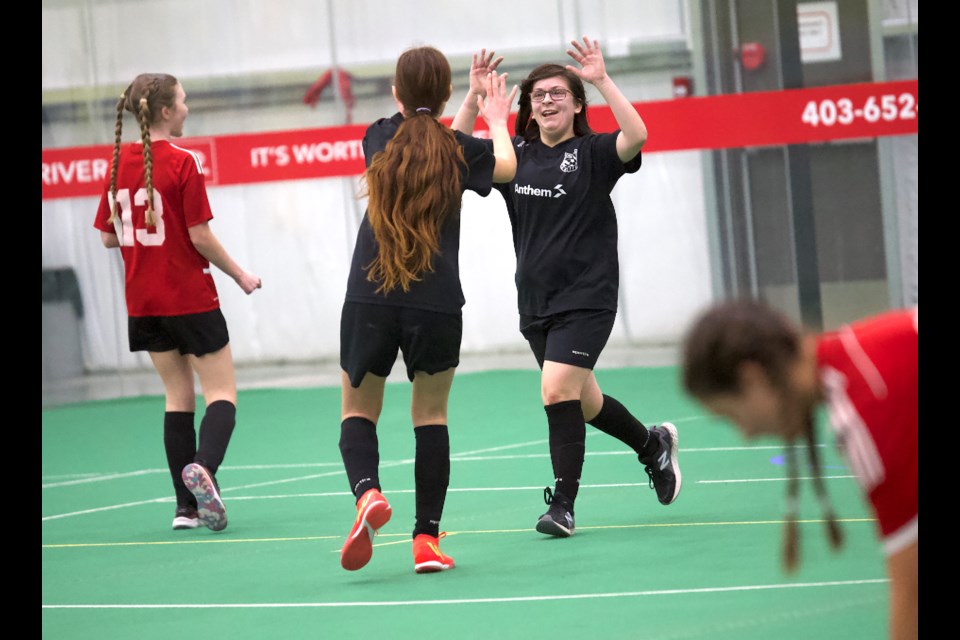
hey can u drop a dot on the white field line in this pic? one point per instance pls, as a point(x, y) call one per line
point(466, 456)
point(338, 494)
point(416, 603)
point(463, 457)
point(405, 537)
point(85, 478)
point(264, 484)
point(396, 491)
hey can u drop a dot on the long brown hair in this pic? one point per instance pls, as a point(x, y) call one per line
point(525, 126)
point(414, 183)
point(725, 337)
point(144, 98)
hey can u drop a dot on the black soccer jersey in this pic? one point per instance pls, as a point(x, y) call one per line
point(438, 290)
point(564, 224)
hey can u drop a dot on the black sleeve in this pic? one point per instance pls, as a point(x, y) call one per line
point(480, 163)
point(607, 162)
point(518, 142)
point(379, 134)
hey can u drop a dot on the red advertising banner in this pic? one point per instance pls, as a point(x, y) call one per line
point(797, 116)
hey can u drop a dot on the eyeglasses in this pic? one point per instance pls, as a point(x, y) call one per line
point(557, 94)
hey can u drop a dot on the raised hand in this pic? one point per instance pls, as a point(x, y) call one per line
point(483, 65)
point(633, 131)
point(497, 108)
point(588, 55)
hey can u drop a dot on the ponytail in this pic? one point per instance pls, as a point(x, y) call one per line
point(414, 185)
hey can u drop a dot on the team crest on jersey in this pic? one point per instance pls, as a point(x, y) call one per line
point(569, 163)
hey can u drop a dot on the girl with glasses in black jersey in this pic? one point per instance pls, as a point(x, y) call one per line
point(565, 237)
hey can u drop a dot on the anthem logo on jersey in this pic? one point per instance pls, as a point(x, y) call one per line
point(569, 163)
point(527, 190)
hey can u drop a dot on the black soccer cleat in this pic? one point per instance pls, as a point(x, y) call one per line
point(558, 520)
point(663, 469)
point(185, 517)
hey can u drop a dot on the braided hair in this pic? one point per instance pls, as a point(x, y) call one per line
point(736, 332)
point(144, 98)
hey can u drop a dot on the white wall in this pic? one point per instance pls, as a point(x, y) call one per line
point(109, 42)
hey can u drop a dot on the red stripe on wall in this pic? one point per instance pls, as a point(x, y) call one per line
point(839, 112)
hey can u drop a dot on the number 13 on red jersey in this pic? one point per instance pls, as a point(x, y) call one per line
point(124, 223)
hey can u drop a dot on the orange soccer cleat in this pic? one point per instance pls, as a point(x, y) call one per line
point(373, 511)
point(427, 556)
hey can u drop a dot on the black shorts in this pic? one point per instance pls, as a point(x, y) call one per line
point(572, 337)
point(195, 333)
point(371, 335)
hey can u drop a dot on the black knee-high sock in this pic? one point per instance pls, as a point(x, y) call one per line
point(432, 471)
point(361, 454)
point(180, 443)
point(215, 431)
point(614, 419)
point(567, 436)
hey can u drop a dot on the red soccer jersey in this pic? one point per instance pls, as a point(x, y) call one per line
point(165, 274)
point(869, 371)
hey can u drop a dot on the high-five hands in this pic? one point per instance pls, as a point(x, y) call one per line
point(483, 65)
point(588, 55)
point(497, 107)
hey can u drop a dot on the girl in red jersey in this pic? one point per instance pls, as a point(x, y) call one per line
point(155, 209)
point(748, 363)
point(404, 294)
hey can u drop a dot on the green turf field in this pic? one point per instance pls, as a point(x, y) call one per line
point(705, 567)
